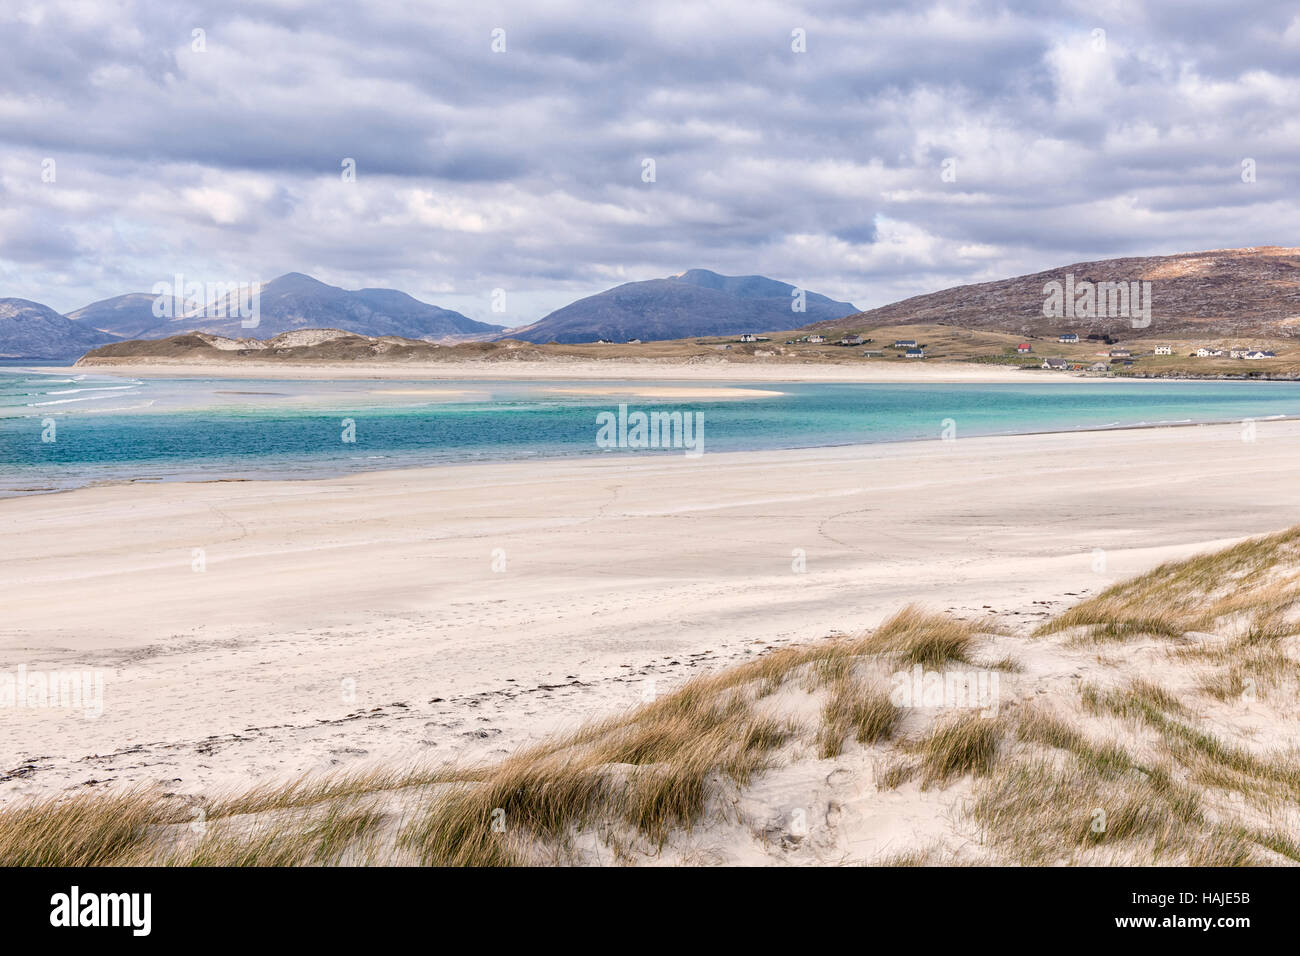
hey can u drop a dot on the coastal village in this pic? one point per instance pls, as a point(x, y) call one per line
point(1111, 357)
point(1126, 357)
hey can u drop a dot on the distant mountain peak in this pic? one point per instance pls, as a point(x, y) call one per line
point(691, 303)
point(31, 330)
point(296, 280)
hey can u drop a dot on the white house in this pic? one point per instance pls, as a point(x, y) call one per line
point(905, 343)
point(748, 337)
point(816, 339)
point(1069, 338)
point(1164, 350)
point(1024, 348)
point(1204, 352)
point(1057, 364)
point(914, 353)
point(851, 340)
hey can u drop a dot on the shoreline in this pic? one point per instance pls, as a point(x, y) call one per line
point(882, 371)
point(627, 457)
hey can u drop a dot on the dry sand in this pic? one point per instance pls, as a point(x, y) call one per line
point(356, 620)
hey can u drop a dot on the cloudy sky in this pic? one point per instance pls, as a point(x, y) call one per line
point(907, 148)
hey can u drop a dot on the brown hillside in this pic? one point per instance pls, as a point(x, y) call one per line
point(1220, 292)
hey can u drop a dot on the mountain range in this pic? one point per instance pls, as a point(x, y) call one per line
point(696, 302)
point(1222, 292)
point(292, 301)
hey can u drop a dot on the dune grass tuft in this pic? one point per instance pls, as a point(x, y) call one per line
point(855, 708)
point(1255, 581)
point(1038, 811)
point(89, 830)
point(915, 636)
point(966, 744)
point(652, 772)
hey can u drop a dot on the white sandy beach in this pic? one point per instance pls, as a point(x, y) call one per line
point(358, 620)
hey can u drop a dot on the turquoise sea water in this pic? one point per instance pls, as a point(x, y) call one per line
point(110, 428)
